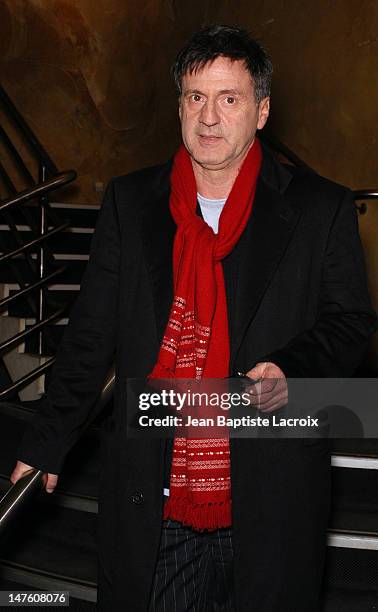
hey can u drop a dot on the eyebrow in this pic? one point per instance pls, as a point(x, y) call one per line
point(221, 92)
point(230, 91)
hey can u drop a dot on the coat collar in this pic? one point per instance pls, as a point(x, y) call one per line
point(273, 220)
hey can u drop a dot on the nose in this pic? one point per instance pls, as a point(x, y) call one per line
point(209, 115)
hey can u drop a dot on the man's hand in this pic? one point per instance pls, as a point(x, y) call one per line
point(270, 392)
point(49, 480)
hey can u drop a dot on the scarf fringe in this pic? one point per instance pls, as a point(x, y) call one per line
point(208, 516)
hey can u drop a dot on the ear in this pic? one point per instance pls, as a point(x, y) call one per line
point(180, 106)
point(263, 113)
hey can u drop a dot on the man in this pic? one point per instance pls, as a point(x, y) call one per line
point(276, 288)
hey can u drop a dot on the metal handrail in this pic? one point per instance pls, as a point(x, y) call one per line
point(365, 194)
point(9, 220)
point(17, 338)
point(280, 147)
point(107, 389)
point(37, 188)
point(29, 288)
point(359, 194)
point(16, 156)
point(28, 378)
point(34, 242)
point(27, 132)
point(17, 495)
point(28, 194)
point(12, 189)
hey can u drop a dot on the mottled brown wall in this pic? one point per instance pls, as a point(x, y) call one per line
point(92, 78)
point(325, 91)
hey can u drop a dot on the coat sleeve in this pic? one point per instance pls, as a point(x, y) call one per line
point(84, 355)
point(335, 345)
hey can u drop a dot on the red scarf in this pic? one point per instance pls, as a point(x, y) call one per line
point(196, 340)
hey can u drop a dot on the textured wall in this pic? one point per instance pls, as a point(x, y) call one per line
point(93, 78)
point(325, 92)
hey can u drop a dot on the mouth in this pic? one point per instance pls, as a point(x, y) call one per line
point(209, 140)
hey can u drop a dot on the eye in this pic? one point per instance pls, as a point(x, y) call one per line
point(230, 100)
point(195, 97)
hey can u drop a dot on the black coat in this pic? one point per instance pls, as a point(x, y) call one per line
point(297, 296)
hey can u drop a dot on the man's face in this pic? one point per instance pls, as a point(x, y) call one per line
point(219, 113)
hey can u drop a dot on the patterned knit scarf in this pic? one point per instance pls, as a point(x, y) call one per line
point(196, 339)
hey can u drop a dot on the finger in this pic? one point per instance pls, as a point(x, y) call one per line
point(272, 407)
point(51, 483)
point(277, 402)
point(266, 400)
point(20, 470)
point(277, 395)
point(270, 387)
point(257, 371)
point(263, 387)
point(269, 392)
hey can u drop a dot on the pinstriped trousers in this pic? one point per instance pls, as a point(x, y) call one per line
point(194, 571)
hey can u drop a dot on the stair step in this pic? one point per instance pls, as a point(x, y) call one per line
point(76, 605)
point(354, 500)
point(347, 600)
point(351, 520)
point(48, 538)
point(357, 488)
point(353, 540)
point(81, 503)
point(352, 569)
point(48, 581)
point(355, 462)
point(355, 446)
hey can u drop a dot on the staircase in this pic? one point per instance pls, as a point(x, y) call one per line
point(352, 556)
point(44, 248)
point(70, 250)
point(52, 545)
point(28, 266)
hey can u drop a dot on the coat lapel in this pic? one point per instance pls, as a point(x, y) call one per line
point(268, 233)
point(158, 230)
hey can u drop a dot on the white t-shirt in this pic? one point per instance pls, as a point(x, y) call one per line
point(211, 210)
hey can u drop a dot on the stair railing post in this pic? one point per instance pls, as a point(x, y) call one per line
point(42, 257)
